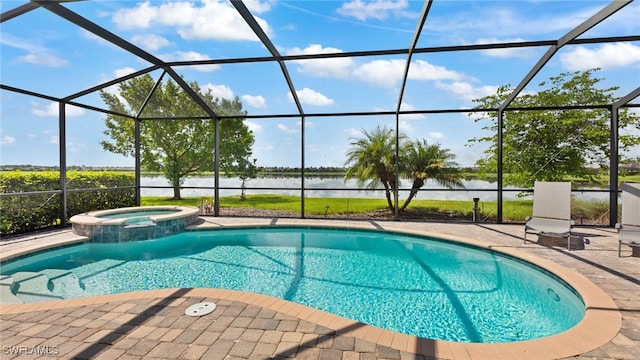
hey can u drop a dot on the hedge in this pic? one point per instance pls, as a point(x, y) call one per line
point(20, 214)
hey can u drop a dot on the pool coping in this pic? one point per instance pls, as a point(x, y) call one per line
point(98, 228)
point(93, 217)
point(601, 312)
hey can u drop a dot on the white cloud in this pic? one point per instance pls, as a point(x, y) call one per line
point(267, 146)
point(54, 139)
point(220, 91)
point(307, 124)
point(376, 9)
point(406, 126)
point(352, 132)
point(208, 19)
point(409, 107)
point(7, 140)
point(384, 73)
point(508, 21)
point(73, 146)
point(257, 6)
point(285, 128)
point(290, 27)
point(96, 39)
point(52, 110)
point(35, 54)
point(311, 97)
point(139, 17)
point(334, 67)
point(150, 42)
point(256, 128)
point(118, 73)
point(436, 135)
point(123, 71)
point(627, 19)
point(506, 52)
point(71, 111)
point(422, 70)
point(44, 59)
point(387, 73)
point(606, 56)
point(191, 56)
point(465, 91)
point(256, 101)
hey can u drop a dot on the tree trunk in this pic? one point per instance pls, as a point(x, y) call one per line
point(389, 202)
point(417, 184)
point(243, 188)
point(387, 188)
point(387, 192)
point(176, 193)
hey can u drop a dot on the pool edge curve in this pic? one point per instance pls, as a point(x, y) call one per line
point(601, 323)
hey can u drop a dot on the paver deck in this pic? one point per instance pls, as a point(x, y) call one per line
point(152, 324)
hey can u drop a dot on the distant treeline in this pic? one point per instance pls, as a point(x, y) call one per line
point(272, 170)
point(69, 168)
point(267, 170)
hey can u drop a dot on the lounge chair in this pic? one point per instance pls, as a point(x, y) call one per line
point(629, 228)
point(551, 211)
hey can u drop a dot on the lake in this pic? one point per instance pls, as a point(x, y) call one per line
point(336, 187)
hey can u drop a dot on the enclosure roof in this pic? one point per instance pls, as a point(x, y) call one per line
point(303, 59)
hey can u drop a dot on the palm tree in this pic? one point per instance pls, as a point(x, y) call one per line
point(372, 159)
point(421, 161)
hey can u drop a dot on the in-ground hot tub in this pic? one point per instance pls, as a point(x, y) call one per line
point(133, 223)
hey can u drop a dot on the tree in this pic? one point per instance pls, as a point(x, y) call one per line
point(245, 170)
point(553, 144)
point(372, 158)
point(176, 147)
point(422, 161)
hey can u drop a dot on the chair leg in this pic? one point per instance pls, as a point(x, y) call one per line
point(619, 248)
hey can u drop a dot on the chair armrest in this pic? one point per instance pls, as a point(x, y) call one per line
point(527, 218)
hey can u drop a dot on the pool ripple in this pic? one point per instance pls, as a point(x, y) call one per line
point(427, 288)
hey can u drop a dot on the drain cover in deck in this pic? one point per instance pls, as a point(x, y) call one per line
point(200, 309)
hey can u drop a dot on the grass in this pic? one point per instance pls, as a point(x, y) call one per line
point(592, 210)
point(515, 210)
point(279, 202)
point(512, 211)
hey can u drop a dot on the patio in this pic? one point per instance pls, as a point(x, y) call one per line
point(152, 324)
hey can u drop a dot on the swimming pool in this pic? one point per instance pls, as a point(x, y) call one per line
point(425, 287)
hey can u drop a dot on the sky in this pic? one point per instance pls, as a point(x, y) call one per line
point(43, 53)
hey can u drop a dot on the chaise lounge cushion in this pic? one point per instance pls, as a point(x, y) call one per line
point(549, 226)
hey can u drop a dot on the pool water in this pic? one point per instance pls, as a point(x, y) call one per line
point(423, 287)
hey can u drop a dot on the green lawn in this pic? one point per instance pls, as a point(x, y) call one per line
point(514, 210)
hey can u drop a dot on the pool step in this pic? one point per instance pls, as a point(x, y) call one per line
point(65, 283)
point(34, 287)
point(6, 294)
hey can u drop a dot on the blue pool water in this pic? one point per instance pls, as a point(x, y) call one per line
point(141, 213)
point(414, 285)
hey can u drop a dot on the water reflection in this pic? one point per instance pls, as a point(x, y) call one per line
point(335, 187)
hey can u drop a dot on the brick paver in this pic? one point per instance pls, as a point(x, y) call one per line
point(155, 327)
point(173, 343)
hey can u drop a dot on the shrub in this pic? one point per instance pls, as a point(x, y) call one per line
point(24, 213)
